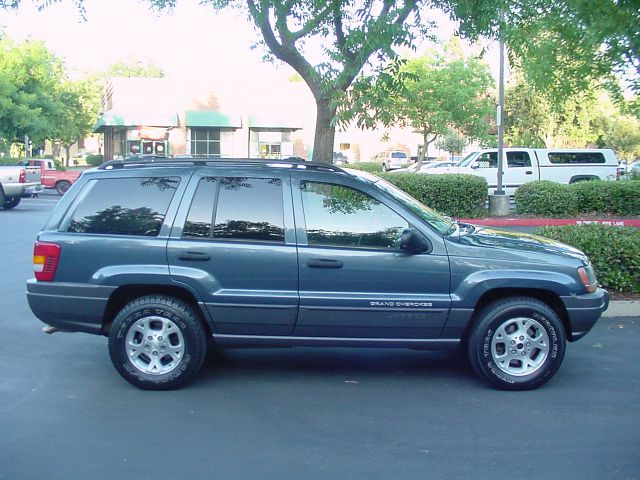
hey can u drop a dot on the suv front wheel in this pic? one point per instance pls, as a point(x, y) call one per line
point(157, 342)
point(517, 343)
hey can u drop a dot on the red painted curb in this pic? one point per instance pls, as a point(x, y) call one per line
point(550, 222)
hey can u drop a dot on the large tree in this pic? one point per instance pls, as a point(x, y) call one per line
point(563, 46)
point(435, 95)
point(30, 77)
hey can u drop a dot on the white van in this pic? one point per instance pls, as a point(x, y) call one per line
point(522, 165)
point(392, 159)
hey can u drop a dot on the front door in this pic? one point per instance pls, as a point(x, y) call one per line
point(355, 281)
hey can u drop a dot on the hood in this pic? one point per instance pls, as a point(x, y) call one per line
point(495, 238)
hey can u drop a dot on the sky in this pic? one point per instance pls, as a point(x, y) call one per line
point(191, 39)
point(193, 44)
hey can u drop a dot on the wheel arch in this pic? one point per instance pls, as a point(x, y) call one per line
point(548, 297)
point(127, 293)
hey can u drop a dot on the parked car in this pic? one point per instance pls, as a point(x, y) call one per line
point(413, 168)
point(392, 159)
point(50, 176)
point(300, 254)
point(340, 158)
point(16, 183)
point(523, 165)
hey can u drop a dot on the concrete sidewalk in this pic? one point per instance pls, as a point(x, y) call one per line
point(623, 308)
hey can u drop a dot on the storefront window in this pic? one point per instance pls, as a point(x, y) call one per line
point(205, 142)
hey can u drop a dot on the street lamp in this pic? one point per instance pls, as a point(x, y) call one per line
point(499, 202)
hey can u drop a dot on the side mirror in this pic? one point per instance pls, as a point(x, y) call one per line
point(412, 241)
point(474, 165)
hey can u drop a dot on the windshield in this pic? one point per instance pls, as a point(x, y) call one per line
point(468, 159)
point(441, 223)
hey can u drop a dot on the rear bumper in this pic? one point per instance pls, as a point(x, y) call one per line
point(584, 311)
point(32, 191)
point(69, 306)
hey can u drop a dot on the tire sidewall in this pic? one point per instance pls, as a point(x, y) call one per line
point(188, 365)
point(487, 330)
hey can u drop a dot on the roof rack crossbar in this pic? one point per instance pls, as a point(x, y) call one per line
point(151, 161)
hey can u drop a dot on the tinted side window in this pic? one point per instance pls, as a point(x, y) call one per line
point(576, 157)
point(341, 216)
point(250, 209)
point(518, 159)
point(124, 206)
point(200, 217)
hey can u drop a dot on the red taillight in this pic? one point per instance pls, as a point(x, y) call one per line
point(23, 176)
point(45, 260)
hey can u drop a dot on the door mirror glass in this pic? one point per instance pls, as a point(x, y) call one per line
point(412, 241)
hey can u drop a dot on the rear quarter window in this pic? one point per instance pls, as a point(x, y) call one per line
point(122, 206)
point(563, 158)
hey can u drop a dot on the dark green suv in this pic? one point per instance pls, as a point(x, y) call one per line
point(164, 256)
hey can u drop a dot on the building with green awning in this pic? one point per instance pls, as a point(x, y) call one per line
point(153, 116)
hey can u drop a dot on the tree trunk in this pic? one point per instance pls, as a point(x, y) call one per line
point(67, 149)
point(425, 151)
point(325, 132)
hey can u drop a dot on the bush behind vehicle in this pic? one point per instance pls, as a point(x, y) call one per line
point(546, 198)
point(614, 252)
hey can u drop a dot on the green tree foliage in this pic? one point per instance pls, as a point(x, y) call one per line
point(134, 68)
point(532, 119)
point(452, 142)
point(437, 95)
point(39, 100)
point(563, 46)
point(29, 79)
point(81, 102)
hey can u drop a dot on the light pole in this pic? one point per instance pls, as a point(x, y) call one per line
point(499, 202)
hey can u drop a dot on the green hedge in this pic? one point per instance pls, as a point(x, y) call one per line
point(371, 167)
point(552, 199)
point(614, 252)
point(462, 196)
point(94, 160)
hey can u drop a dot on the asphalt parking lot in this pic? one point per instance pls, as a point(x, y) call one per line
point(304, 413)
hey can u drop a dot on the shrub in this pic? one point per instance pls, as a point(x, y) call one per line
point(453, 195)
point(614, 252)
point(547, 198)
point(371, 167)
point(94, 160)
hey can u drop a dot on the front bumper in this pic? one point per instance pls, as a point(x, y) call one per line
point(70, 307)
point(584, 311)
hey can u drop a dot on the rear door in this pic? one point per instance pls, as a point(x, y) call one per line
point(354, 279)
point(234, 246)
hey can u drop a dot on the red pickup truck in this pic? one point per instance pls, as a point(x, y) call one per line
point(49, 176)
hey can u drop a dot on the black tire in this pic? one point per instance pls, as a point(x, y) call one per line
point(62, 186)
point(1, 197)
point(385, 168)
point(516, 343)
point(156, 362)
point(11, 202)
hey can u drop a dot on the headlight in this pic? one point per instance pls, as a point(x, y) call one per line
point(588, 278)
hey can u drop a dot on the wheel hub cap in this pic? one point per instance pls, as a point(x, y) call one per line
point(520, 346)
point(155, 345)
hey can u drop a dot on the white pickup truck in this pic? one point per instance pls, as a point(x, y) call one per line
point(523, 165)
point(17, 182)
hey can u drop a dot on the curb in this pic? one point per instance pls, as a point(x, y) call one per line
point(550, 222)
point(623, 308)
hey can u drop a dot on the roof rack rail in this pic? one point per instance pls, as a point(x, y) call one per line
point(154, 161)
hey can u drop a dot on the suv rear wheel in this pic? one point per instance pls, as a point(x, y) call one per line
point(157, 342)
point(517, 343)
